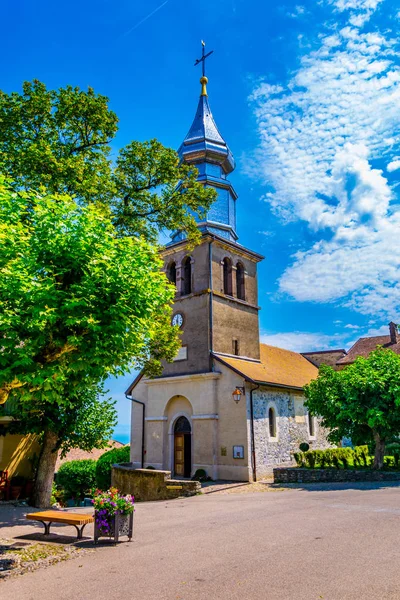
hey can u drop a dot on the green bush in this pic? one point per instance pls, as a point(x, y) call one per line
point(77, 477)
point(201, 475)
point(304, 446)
point(341, 458)
point(388, 462)
point(299, 458)
point(310, 459)
point(346, 455)
point(105, 463)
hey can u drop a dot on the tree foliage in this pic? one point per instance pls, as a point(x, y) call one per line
point(61, 140)
point(79, 303)
point(105, 463)
point(361, 401)
point(77, 477)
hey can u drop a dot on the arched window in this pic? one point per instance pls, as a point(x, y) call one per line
point(240, 291)
point(182, 425)
point(227, 263)
point(171, 273)
point(187, 276)
point(272, 422)
point(311, 425)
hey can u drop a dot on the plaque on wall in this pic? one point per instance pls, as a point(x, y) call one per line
point(182, 354)
point(238, 451)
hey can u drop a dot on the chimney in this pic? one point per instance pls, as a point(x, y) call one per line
point(394, 334)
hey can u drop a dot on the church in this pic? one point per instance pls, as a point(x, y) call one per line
point(227, 404)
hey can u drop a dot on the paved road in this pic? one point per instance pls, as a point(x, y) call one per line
point(330, 544)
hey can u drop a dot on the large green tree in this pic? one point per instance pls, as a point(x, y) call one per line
point(361, 401)
point(78, 303)
point(61, 140)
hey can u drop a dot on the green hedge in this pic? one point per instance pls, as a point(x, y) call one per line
point(105, 463)
point(337, 458)
point(77, 477)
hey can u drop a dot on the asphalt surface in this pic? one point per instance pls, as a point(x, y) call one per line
point(325, 542)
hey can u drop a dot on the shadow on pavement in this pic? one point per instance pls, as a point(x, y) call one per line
point(339, 486)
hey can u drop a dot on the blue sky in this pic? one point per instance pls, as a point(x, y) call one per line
point(307, 96)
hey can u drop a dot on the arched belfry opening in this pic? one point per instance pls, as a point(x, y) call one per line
point(240, 290)
point(171, 272)
point(187, 276)
point(227, 268)
point(182, 447)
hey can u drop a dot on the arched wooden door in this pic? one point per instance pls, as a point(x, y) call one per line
point(182, 448)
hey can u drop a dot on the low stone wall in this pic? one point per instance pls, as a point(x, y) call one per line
point(299, 475)
point(149, 484)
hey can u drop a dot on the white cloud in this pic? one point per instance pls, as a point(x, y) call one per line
point(321, 138)
point(360, 10)
point(394, 165)
point(298, 11)
point(299, 341)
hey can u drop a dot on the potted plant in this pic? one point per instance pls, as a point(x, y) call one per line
point(113, 514)
point(16, 485)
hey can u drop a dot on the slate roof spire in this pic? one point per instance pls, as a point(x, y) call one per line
point(205, 147)
point(204, 139)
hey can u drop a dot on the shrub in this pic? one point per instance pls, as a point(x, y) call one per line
point(77, 477)
point(335, 460)
point(304, 446)
point(299, 458)
point(319, 458)
point(396, 457)
point(328, 460)
point(201, 475)
point(388, 462)
point(310, 459)
point(105, 463)
point(346, 455)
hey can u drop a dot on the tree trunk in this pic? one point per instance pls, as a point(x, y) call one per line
point(45, 472)
point(379, 451)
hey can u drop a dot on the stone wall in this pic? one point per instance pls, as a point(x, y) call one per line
point(291, 428)
point(148, 484)
point(298, 475)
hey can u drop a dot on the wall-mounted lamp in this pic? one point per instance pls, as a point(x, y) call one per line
point(237, 394)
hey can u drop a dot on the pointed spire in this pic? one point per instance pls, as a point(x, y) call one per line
point(204, 140)
point(205, 148)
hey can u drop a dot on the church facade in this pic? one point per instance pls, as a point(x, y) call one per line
point(227, 404)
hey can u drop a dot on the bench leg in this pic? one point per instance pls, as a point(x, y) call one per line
point(79, 531)
point(46, 527)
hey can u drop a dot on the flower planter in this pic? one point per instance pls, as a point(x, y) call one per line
point(117, 525)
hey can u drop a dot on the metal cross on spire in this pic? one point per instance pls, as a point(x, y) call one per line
point(203, 58)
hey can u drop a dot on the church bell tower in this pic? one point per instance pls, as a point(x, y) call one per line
point(216, 303)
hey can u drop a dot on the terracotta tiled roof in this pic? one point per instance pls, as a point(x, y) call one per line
point(77, 454)
point(364, 346)
point(277, 367)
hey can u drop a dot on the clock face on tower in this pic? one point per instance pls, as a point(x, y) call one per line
point(177, 320)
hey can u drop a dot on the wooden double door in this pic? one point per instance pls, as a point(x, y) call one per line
point(182, 448)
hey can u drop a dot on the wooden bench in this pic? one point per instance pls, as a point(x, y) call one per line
point(47, 517)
